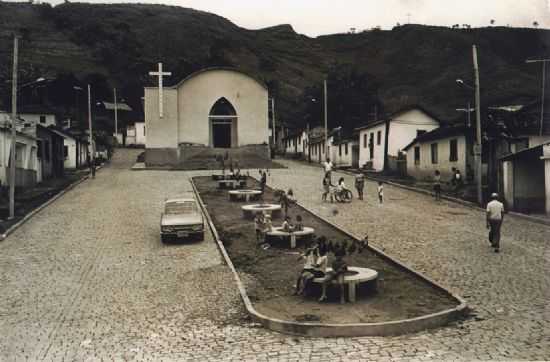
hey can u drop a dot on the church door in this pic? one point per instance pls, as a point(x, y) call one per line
point(223, 124)
point(221, 133)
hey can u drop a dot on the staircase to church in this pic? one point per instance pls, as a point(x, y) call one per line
point(206, 158)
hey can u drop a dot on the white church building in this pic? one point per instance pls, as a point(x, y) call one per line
point(210, 112)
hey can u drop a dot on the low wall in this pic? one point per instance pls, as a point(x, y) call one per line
point(161, 157)
point(199, 155)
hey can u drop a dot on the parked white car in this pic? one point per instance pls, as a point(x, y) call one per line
point(181, 218)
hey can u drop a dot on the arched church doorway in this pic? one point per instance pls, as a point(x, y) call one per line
point(223, 124)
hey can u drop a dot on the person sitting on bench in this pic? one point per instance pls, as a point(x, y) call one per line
point(339, 267)
point(287, 226)
point(308, 271)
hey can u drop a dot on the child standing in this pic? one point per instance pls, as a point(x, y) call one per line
point(326, 188)
point(360, 185)
point(259, 226)
point(380, 193)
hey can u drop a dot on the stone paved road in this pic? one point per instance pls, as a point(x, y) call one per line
point(88, 279)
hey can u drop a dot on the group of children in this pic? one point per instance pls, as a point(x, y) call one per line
point(263, 224)
point(316, 263)
point(333, 192)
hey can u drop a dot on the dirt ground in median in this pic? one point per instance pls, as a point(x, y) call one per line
point(271, 274)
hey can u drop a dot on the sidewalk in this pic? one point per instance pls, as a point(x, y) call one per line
point(28, 200)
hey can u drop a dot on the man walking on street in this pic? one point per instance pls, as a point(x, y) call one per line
point(495, 215)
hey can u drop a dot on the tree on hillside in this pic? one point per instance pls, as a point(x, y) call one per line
point(352, 94)
point(492, 21)
point(536, 24)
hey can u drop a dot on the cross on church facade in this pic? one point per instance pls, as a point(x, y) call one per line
point(160, 74)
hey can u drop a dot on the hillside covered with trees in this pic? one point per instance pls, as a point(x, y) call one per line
point(117, 45)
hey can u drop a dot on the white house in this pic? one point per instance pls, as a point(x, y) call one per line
point(526, 179)
point(441, 149)
point(346, 153)
point(318, 147)
point(295, 144)
point(37, 114)
point(74, 150)
point(25, 158)
point(402, 127)
point(135, 134)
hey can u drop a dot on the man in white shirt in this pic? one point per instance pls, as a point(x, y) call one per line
point(495, 215)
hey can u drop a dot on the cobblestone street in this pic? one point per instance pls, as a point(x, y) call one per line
point(87, 278)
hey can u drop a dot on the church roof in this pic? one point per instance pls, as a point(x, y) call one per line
point(232, 69)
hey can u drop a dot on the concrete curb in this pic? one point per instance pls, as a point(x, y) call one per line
point(469, 204)
point(340, 330)
point(39, 208)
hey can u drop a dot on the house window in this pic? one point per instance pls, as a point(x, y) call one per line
point(417, 155)
point(453, 152)
point(365, 140)
point(42, 119)
point(65, 151)
point(420, 132)
point(340, 150)
point(434, 152)
point(379, 137)
point(346, 149)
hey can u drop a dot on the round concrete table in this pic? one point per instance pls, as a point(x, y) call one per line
point(293, 235)
point(247, 195)
point(353, 277)
point(252, 210)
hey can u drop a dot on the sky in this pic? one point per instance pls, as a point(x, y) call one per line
point(319, 17)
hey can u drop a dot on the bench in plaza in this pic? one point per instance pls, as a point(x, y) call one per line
point(352, 278)
point(250, 211)
point(306, 233)
point(246, 195)
point(231, 184)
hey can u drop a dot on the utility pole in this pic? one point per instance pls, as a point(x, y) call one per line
point(116, 115)
point(273, 123)
point(13, 124)
point(477, 147)
point(326, 123)
point(92, 168)
point(308, 147)
point(543, 61)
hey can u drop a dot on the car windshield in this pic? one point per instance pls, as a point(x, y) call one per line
point(180, 207)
